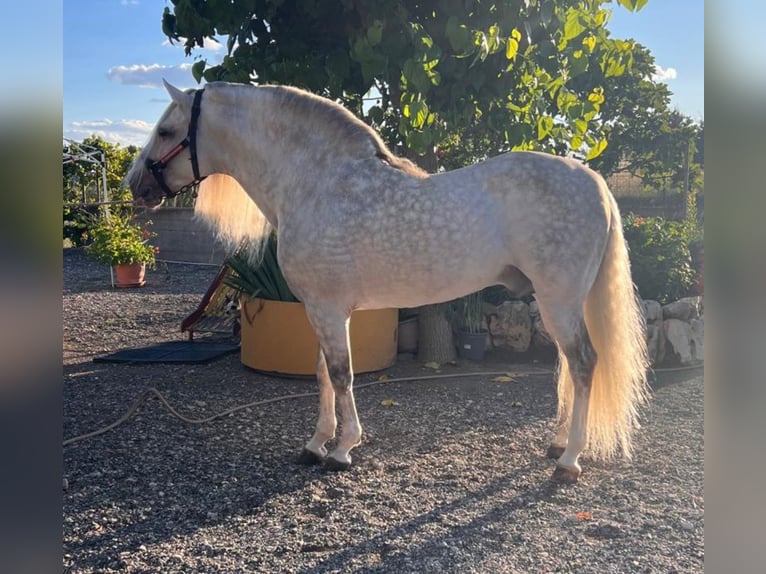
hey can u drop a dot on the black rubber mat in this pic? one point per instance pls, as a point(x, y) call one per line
point(171, 352)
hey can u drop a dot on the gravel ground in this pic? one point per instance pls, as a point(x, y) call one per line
point(452, 478)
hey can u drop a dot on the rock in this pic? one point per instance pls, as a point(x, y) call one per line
point(511, 326)
point(655, 342)
point(685, 309)
point(679, 345)
point(697, 328)
point(652, 311)
point(540, 337)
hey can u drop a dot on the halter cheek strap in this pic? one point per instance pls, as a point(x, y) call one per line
point(191, 136)
point(156, 167)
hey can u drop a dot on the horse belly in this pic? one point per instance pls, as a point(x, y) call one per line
point(421, 277)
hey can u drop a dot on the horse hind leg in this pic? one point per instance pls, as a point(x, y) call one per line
point(559, 443)
point(578, 362)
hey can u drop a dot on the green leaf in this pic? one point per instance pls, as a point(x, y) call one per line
point(169, 24)
point(596, 150)
point(481, 44)
point(544, 126)
point(362, 51)
point(419, 140)
point(511, 48)
point(579, 64)
point(417, 113)
point(633, 5)
point(198, 69)
point(590, 43)
point(421, 116)
point(546, 12)
point(573, 26)
point(458, 35)
point(375, 33)
point(493, 39)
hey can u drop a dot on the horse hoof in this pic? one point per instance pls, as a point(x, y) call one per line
point(335, 465)
point(565, 475)
point(308, 458)
point(554, 451)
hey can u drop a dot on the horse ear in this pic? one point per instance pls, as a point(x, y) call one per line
point(180, 97)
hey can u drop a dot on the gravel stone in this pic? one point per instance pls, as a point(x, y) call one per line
point(454, 479)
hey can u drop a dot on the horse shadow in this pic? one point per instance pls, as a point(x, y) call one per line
point(487, 528)
point(162, 479)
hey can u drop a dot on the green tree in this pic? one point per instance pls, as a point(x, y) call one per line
point(527, 73)
point(495, 75)
point(646, 137)
point(83, 179)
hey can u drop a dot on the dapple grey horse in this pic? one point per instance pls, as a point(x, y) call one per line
point(359, 228)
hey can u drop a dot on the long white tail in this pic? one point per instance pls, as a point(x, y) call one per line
point(616, 327)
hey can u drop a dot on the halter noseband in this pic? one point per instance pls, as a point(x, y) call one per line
point(190, 141)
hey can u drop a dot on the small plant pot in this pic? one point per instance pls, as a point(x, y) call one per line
point(129, 275)
point(471, 345)
point(408, 335)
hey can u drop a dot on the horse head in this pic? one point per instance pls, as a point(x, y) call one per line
point(167, 165)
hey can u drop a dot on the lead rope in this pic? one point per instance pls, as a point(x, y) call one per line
point(152, 392)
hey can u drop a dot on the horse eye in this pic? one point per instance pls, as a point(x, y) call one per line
point(164, 133)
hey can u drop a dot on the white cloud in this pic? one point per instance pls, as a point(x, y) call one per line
point(123, 132)
point(151, 76)
point(664, 74)
point(129, 2)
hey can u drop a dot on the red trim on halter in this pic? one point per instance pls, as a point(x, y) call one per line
point(173, 152)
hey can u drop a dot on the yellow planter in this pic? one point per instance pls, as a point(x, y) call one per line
point(277, 338)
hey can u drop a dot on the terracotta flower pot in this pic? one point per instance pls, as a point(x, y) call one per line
point(129, 275)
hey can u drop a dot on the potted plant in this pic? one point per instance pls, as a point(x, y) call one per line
point(471, 336)
point(117, 241)
point(275, 331)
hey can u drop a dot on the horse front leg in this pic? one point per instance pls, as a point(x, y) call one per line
point(333, 334)
point(351, 431)
point(315, 452)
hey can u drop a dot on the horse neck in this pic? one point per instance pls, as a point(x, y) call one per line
point(266, 151)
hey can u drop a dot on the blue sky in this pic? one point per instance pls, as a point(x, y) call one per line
point(115, 57)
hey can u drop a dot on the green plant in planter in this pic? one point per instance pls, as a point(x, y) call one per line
point(264, 279)
point(116, 239)
point(472, 312)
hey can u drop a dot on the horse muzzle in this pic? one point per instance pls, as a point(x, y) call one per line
point(148, 196)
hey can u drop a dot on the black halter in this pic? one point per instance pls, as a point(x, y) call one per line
point(156, 167)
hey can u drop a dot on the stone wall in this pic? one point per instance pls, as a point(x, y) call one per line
point(181, 237)
point(675, 332)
